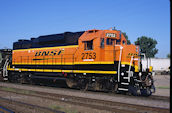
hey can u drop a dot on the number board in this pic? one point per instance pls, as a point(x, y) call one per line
point(89, 55)
point(110, 35)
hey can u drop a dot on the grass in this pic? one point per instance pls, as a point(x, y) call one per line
point(16, 90)
point(8, 89)
point(55, 107)
point(70, 111)
point(163, 87)
point(66, 110)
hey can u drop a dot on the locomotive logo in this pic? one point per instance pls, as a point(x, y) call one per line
point(132, 54)
point(48, 53)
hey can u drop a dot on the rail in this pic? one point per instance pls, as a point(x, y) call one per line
point(85, 101)
point(92, 103)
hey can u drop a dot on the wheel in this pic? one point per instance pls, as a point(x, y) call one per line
point(146, 92)
point(134, 90)
point(71, 83)
point(97, 86)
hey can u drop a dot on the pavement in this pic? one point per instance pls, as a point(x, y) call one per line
point(162, 84)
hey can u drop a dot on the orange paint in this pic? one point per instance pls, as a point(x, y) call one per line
point(81, 53)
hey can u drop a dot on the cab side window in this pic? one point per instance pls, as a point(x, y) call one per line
point(88, 45)
point(123, 42)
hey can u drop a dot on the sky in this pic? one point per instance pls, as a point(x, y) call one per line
point(23, 19)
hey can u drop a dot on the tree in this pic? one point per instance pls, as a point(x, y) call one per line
point(147, 46)
point(126, 36)
point(168, 55)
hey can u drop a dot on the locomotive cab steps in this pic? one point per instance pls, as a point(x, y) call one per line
point(124, 82)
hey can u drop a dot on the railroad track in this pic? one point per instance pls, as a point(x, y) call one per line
point(91, 103)
point(13, 104)
point(152, 97)
point(5, 110)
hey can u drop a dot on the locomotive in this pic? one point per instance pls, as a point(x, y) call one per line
point(99, 60)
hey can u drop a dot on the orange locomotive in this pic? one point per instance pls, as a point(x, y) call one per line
point(94, 59)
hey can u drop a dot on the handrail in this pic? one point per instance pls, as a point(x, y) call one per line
point(5, 72)
point(129, 69)
point(119, 61)
point(130, 64)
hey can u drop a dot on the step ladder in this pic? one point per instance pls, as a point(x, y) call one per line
point(123, 84)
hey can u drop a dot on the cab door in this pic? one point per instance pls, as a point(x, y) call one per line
point(109, 49)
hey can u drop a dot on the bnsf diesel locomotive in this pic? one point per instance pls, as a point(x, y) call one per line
point(100, 60)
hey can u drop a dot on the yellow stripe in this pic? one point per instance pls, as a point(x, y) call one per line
point(94, 63)
point(70, 63)
point(66, 63)
point(128, 63)
point(100, 72)
point(71, 46)
point(42, 63)
point(66, 71)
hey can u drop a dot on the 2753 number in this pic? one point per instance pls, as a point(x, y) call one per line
point(89, 55)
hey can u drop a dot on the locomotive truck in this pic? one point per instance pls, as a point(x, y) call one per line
point(100, 60)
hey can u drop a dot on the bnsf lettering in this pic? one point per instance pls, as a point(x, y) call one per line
point(53, 53)
point(48, 53)
point(45, 53)
point(38, 53)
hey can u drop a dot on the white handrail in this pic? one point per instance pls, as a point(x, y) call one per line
point(130, 63)
point(5, 72)
point(119, 61)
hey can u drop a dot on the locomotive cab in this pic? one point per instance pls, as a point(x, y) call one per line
point(107, 52)
point(110, 48)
